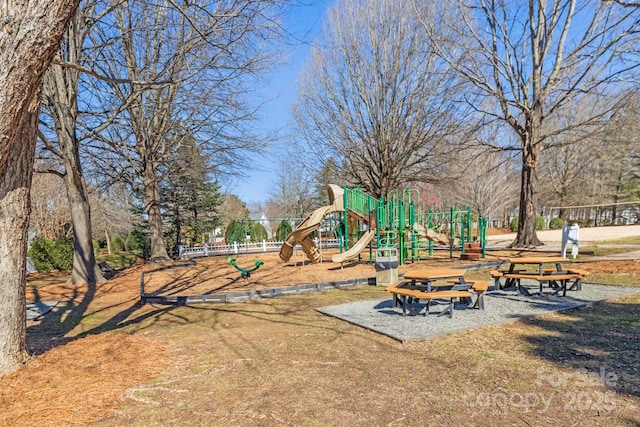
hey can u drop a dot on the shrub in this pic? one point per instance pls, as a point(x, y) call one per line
point(40, 253)
point(235, 232)
point(62, 253)
point(96, 247)
point(513, 225)
point(139, 243)
point(283, 231)
point(117, 244)
point(539, 223)
point(258, 232)
point(50, 255)
point(556, 223)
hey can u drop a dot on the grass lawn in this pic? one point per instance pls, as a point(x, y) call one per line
point(105, 360)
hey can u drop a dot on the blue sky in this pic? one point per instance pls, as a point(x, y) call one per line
point(304, 22)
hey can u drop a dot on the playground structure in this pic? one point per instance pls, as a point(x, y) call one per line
point(397, 221)
point(400, 222)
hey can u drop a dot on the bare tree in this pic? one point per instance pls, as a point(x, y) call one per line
point(111, 213)
point(179, 69)
point(61, 92)
point(377, 100)
point(295, 190)
point(530, 62)
point(29, 37)
point(232, 209)
point(488, 185)
point(49, 206)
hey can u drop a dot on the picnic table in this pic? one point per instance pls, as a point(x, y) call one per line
point(436, 283)
point(555, 277)
point(428, 276)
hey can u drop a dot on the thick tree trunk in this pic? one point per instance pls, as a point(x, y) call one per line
point(61, 91)
point(152, 206)
point(527, 236)
point(15, 184)
point(29, 37)
point(85, 271)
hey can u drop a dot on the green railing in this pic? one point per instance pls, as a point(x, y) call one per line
point(360, 202)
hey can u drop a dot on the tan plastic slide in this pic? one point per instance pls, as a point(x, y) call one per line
point(309, 225)
point(432, 235)
point(301, 235)
point(356, 249)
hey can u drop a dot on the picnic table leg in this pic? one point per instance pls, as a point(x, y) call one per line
point(522, 290)
point(448, 310)
point(562, 287)
point(577, 285)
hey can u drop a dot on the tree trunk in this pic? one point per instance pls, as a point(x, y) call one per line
point(85, 271)
point(152, 206)
point(106, 237)
point(29, 36)
point(61, 92)
point(15, 204)
point(527, 236)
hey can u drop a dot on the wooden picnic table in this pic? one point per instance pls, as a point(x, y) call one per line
point(420, 284)
point(539, 260)
point(427, 276)
point(556, 277)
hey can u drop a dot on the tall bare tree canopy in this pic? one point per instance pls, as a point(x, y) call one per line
point(177, 70)
point(530, 61)
point(377, 100)
point(59, 133)
point(29, 37)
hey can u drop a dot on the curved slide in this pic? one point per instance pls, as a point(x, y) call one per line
point(356, 249)
point(301, 235)
point(309, 225)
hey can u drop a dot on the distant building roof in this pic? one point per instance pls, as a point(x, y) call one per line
point(257, 216)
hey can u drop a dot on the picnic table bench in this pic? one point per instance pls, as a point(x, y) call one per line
point(557, 278)
point(108, 271)
point(405, 293)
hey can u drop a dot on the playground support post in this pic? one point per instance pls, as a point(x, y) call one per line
point(451, 232)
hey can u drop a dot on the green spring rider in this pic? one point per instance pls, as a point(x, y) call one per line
point(245, 272)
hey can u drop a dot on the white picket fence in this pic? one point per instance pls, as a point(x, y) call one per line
point(245, 248)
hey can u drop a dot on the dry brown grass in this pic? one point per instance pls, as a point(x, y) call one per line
point(105, 360)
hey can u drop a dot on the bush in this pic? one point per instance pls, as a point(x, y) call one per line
point(139, 243)
point(283, 231)
point(50, 255)
point(236, 232)
point(258, 232)
point(117, 244)
point(40, 253)
point(96, 247)
point(514, 223)
point(62, 253)
point(556, 223)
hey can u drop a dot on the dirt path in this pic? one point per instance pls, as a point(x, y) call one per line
point(590, 234)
